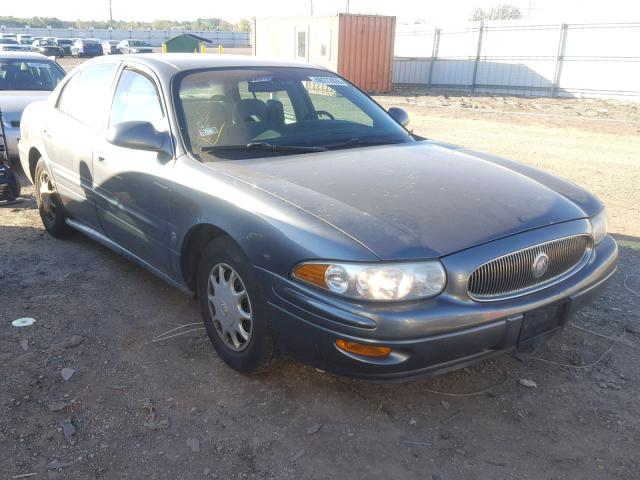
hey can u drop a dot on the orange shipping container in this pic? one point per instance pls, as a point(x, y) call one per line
point(358, 47)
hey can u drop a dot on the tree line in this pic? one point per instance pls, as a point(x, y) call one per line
point(199, 24)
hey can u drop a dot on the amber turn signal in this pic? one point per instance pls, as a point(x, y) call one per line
point(312, 273)
point(364, 350)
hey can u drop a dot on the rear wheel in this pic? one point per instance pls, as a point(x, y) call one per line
point(49, 205)
point(233, 309)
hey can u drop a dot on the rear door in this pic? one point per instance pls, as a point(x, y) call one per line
point(132, 186)
point(69, 135)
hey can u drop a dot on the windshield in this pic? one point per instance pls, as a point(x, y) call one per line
point(227, 113)
point(138, 43)
point(8, 41)
point(46, 43)
point(62, 41)
point(22, 74)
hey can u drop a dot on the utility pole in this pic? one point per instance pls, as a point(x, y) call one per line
point(311, 5)
point(347, 6)
point(110, 15)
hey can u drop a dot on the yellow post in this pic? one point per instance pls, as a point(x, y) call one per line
point(203, 48)
point(164, 48)
point(220, 49)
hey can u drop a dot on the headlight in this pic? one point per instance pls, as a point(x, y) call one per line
point(375, 281)
point(599, 224)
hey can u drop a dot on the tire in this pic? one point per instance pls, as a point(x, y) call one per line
point(15, 186)
point(259, 351)
point(50, 207)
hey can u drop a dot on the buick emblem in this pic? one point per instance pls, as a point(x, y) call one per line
point(540, 265)
point(224, 309)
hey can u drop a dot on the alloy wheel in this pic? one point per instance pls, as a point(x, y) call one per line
point(46, 191)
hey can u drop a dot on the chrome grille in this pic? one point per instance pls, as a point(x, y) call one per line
point(513, 274)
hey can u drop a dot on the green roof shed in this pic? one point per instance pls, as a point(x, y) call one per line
point(185, 43)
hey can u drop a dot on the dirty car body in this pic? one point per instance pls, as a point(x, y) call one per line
point(349, 243)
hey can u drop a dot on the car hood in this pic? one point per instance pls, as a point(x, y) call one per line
point(417, 200)
point(13, 102)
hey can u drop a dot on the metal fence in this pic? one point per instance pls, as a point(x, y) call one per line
point(154, 37)
point(513, 58)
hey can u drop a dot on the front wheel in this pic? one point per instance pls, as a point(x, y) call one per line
point(233, 309)
point(49, 205)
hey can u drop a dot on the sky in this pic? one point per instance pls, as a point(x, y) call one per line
point(449, 11)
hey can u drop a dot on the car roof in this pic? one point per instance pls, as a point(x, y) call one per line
point(24, 55)
point(170, 63)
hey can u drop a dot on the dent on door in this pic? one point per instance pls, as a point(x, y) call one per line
point(132, 194)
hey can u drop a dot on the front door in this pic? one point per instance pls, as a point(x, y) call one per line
point(132, 186)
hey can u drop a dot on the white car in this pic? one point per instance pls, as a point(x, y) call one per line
point(24, 78)
point(8, 44)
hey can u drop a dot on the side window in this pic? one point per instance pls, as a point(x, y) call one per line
point(136, 99)
point(301, 44)
point(86, 96)
point(65, 100)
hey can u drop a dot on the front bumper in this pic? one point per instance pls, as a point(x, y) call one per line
point(426, 337)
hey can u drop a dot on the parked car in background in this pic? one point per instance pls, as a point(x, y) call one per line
point(134, 46)
point(65, 43)
point(307, 219)
point(24, 38)
point(48, 48)
point(86, 47)
point(8, 35)
point(8, 44)
point(24, 77)
point(110, 47)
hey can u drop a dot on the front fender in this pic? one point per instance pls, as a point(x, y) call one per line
point(273, 234)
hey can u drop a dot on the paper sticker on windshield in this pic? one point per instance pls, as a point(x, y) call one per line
point(205, 132)
point(328, 80)
point(261, 79)
point(38, 65)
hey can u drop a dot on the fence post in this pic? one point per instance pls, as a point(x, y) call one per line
point(475, 64)
point(434, 55)
point(557, 71)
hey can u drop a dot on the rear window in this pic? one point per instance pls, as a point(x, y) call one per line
point(28, 74)
point(87, 94)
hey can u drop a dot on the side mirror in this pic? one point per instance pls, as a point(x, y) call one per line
point(399, 115)
point(138, 136)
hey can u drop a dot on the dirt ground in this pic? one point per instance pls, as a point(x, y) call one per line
point(172, 410)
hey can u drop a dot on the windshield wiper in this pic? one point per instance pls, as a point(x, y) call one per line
point(363, 142)
point(264, 146)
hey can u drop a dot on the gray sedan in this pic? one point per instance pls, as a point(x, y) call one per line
point(307, 220)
